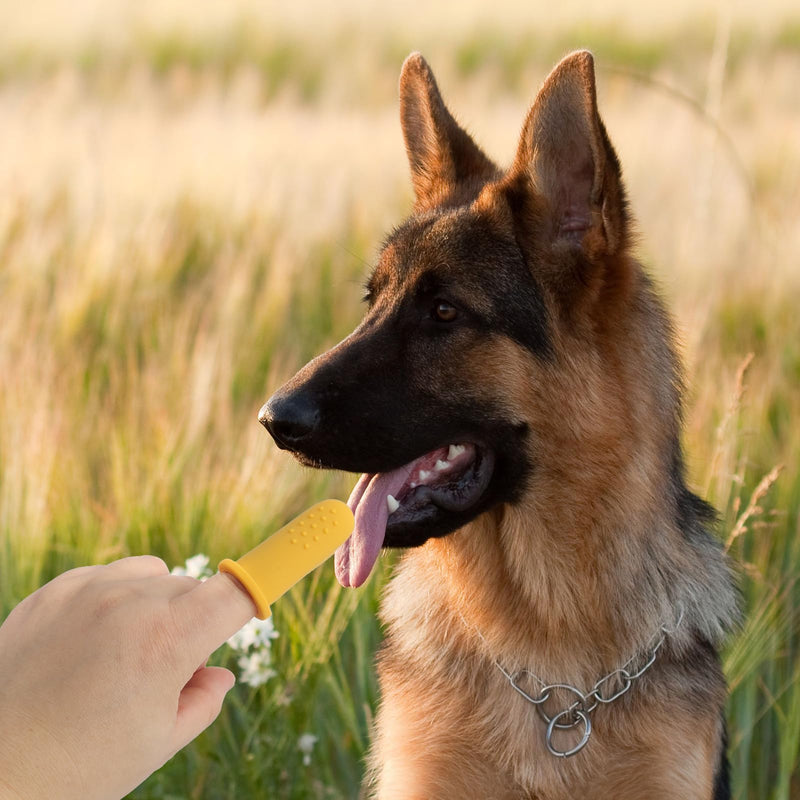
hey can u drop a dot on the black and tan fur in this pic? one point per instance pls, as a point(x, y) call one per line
point(559, 360)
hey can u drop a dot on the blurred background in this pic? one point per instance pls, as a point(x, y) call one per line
point(190, 198)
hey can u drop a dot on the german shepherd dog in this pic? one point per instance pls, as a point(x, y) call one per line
point(512, 397)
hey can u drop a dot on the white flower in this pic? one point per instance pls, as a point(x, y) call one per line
point(305, 744)
point(196, 567)
point(256, 633)
point(255, 668)
point(255, 665)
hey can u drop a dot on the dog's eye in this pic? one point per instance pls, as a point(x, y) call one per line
point(444, 312)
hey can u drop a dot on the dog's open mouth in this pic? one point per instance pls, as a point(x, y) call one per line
point(449, 479)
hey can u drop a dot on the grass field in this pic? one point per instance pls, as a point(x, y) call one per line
point(188, 207)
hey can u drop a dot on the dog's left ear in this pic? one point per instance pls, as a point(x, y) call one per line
point(565, 156)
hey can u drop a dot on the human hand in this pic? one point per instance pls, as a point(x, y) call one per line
point(103, 676)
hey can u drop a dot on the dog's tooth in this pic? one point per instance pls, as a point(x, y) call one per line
point(392, 504)
point(440, 465)
point(454, 451)
point(424, 475)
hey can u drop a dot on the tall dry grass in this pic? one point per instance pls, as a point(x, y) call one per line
point(189, 204)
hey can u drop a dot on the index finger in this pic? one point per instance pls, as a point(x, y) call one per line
point(212, 612)
point(267, 571)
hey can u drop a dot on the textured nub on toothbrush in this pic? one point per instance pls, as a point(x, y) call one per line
point(273, 567)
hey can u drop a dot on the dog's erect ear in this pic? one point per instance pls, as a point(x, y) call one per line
point(565, 153)
point(446, 165)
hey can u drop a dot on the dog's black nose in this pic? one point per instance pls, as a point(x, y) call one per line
point(290, 418)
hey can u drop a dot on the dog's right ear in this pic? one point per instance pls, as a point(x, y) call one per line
point(447, 166)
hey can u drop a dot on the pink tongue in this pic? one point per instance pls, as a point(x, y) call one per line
point(356, 557)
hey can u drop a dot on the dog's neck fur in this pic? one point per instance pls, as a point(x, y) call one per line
point(560, 624)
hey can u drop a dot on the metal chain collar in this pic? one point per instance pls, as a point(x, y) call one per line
point(579, 711)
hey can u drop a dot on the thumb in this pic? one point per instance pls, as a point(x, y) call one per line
point(200, 703)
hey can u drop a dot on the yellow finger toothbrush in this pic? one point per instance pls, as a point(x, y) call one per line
point(273, 567)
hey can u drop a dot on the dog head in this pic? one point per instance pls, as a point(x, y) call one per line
point(486, 311)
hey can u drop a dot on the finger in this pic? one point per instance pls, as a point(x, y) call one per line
point(136, 567)
point(63, 586)
point(176, 584)
point(148, 588)
point(78, 573)
point(72, 580)
point(165, 586)
point(211, 613)
point(200, 703)
point(68, 581)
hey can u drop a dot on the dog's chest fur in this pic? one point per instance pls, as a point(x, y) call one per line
point(451, 726)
